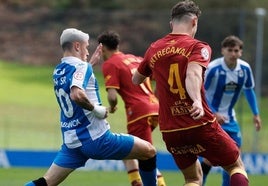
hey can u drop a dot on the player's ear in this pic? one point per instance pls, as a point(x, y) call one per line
point(76, 46)
point(194, 21)
point(170, 25)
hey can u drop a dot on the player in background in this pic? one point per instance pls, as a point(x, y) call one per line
point(85, 131)
point(225, 79)
point(189, 128)
point(141, 105)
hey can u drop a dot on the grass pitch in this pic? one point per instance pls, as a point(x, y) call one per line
point(19, 176)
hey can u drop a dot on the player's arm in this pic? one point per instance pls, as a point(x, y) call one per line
point(193, 83)
point(251, 98)
point(96, 56)
point(80, 98)
point(112, 99)
point(138, 78)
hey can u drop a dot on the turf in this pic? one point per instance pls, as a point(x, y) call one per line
point(19, 176)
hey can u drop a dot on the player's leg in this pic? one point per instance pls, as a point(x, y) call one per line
point(123, 147)
point(146, 155)
point(66, 161)
point(222, 150)
point(160, 179)
point(225, 178)
point(147, 168)
point(206, 167)
point(238, 175)
point(193, 174)
point(54, 176)
point(236, 136)
point(152, 123)
point(132, 168)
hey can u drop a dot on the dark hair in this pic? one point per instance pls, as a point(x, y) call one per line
point(67, 46)
point(183, 8)
point(110, 39)
point(231, 41)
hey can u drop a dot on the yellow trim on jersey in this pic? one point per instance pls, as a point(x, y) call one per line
point(143, 116)
point(200, 125)
point(239, 171)
point(115, 87)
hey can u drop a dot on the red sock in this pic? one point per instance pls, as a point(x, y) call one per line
point(238, 180)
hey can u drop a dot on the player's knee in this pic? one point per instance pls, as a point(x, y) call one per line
point(145, 149)
point(147, 165)
point(151, 151)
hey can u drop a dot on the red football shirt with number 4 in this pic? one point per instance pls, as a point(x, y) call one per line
point(167, 60)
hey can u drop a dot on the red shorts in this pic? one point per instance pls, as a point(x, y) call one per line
point(209, 141)
point(143, 127)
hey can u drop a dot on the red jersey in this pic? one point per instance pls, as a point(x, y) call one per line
point(139, 99)
point(167, 60)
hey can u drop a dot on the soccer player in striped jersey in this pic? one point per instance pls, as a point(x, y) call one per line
point(189, 128)
point(85, 131)
point(141, 105)
point(225, 79)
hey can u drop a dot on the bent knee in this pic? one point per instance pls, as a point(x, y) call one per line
point(151, 151)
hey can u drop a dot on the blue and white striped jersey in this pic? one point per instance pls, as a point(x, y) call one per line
point(77, 124)
point(224, 86)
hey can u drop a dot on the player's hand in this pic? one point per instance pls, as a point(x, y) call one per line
point(96, 56)
point(100, 112)
point(197, 110)
point(220, 118)
point(112, 109)
point(257, 122)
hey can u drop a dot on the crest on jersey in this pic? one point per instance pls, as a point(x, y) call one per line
point(240, 73)
point(79, 75)
point(205, 53)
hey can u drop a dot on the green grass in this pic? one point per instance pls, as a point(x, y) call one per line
point(19, 176)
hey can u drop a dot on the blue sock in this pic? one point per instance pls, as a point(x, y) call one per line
point(30, 184)
point(205, 168)
point(149, 178)
point(225, 178)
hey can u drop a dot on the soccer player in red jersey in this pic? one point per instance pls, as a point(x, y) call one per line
point(141, 105)
point(189, 129)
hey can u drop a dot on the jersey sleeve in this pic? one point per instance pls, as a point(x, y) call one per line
point(81, 75)
point(144, 67)
point(252, 100)
point(209, 74)
point(250, 80)
point(111, 75)
point(201, 54)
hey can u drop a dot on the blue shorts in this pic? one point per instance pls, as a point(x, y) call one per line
point(109, 146)
point(233, 129)
point(236, 136)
